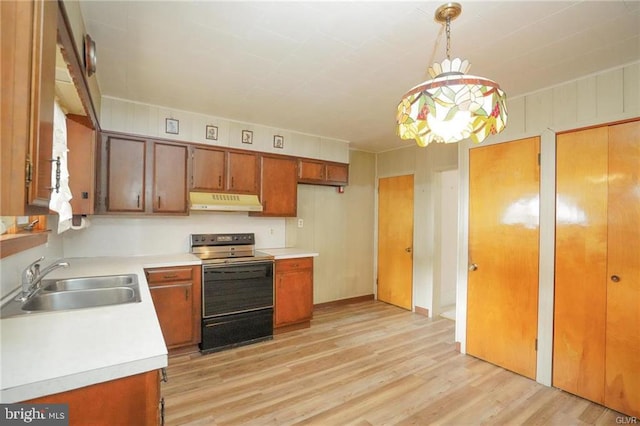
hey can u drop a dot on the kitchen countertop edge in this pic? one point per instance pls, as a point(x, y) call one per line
point(289, 252)
point(120, 360)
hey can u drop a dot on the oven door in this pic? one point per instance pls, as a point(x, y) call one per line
point(236, 288)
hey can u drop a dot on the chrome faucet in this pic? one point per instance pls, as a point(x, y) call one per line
point(32, 276)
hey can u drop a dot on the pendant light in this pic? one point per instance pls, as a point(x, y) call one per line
point(452, 105)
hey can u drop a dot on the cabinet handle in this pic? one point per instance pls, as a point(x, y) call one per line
point(28, 172)
point(57, 187)
point(220, 180)
point(138, 202)
point(186, 294)
point(231, 181)
point(158, 201)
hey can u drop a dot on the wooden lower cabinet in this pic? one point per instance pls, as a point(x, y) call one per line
point(176, 294)
point(132, 400)
point(293, 291)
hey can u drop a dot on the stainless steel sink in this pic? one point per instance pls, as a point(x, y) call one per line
point(78, 299)
point(77, 293)
point(85, 283)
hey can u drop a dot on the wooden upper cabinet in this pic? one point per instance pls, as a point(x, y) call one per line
point(219, 170)
point(242, 172)
point(28, 68)
point(279, 187)
point(129, 186)
point(169, 178)
point(319, 172)
point(208, 169)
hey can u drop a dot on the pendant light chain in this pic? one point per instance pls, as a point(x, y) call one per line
point(448, 37)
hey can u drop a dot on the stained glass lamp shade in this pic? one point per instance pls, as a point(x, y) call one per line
point(452, 105)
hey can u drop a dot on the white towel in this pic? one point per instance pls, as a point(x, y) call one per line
point(60, 198)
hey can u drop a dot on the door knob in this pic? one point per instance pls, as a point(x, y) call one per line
point(408, 249)
point(473, 267)
point(615, 278)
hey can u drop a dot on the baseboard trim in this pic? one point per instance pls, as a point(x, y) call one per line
point(348, 301)
point(422, 311)
point(291, 327)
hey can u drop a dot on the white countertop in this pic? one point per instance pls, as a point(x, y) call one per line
point(288, 252)
point(47, 353)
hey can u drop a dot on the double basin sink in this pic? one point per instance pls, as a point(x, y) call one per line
point(77, 293)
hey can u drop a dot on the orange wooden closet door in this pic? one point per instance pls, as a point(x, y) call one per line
point(622, 357)
point(581, 263)
point(502, 293)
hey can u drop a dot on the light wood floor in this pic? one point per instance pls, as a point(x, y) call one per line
point(363, 364)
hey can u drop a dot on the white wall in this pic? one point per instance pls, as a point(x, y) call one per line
point(447, 241)
point(121, 115)
point(339, 227)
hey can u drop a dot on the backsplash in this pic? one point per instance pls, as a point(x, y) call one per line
point(150, 235)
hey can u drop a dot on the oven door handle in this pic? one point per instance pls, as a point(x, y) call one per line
point(244, 311)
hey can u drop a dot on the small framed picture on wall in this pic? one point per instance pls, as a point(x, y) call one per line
point(247, 136)
point(172, 126)
point(212, 133)
point(278, 141)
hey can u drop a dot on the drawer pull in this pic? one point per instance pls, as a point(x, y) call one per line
point(170, 276)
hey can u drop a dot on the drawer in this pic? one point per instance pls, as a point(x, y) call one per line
point(295, 264)
point(166, 275)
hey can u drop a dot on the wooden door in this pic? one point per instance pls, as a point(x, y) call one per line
point(502, 291)
point(208, 169)
point(395, 241)
point(581, 263)
point(242, 172)
point(125, 175)
point(169, 178)
point(279, 187)
point(622, 356)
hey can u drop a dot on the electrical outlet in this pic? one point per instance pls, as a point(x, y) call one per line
point(300, 223)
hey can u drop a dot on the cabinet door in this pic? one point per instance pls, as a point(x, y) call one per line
point(169, 178)
point(312, 171)
point(173, 304)
point(125, 175)
point(294, 291)
point(208, 169)
point(81, 143)
point(42, 100)
point(242, 172)
point(338, 173)
point(279, 187)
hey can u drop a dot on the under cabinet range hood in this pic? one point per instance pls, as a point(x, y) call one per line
point(216, 201)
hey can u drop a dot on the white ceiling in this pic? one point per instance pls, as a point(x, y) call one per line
point(339, 69)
